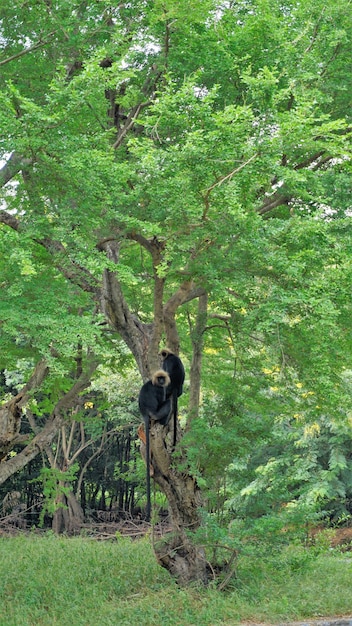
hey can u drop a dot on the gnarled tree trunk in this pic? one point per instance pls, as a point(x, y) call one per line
point(176, 551)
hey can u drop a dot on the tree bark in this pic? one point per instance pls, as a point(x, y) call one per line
point(11, 412)
point(69, 516)
point(45, 437)
point(176, 551)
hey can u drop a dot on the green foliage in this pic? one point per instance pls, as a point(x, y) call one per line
point(223, 131)
point(55, 483)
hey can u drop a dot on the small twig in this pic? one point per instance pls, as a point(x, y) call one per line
point(131, 119)
point(227, 579)
point(223, 179)
point(231, 174)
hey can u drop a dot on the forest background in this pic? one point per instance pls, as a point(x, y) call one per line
point(179, 173)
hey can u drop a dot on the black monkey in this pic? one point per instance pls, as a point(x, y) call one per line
point(154, 403)
point(173, 365)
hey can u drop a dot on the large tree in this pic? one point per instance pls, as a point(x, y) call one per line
point(171, 163)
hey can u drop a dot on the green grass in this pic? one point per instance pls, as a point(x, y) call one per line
point(48, 580)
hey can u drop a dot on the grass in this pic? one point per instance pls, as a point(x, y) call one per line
point(48, 580)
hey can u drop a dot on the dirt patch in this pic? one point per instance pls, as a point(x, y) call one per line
point(342, 538)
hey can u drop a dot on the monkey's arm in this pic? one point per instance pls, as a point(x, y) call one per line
point(162, 412)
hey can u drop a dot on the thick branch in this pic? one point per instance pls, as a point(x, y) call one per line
point(73, 271)
point(11, 412)
point(12, 167)
point(9, 220)
point(135, 334)
point(155, 247)
point(170, 308)
point(272, 202)
point(314, 162)
point(45, 437)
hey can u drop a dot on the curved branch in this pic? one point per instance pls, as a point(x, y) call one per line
point(73, 271)
point(9, 220)
point(45, 437)
point(11, 412)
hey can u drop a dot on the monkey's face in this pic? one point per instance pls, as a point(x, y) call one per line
point(161, 378)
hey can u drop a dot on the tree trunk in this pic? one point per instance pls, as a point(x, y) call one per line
point(69, 516)
point(176, 552)
point(183, 559)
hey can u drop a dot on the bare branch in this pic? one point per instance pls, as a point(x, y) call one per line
point(130, 121)
point(274, 201)
point(222, 180)
point(231, 174)
point(35, 46)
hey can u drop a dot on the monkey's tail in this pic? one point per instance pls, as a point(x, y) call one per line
point(147, 452)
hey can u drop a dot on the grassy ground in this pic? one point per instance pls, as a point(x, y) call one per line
point(47, 581)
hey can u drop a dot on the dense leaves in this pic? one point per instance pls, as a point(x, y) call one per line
point(202, 144)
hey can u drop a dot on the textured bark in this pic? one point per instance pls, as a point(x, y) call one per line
point(11, 412)
point(176, 551)
point(180, 297)
point(185, 561)
point(69, 516)
point(135, 334)
point(45, 437)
